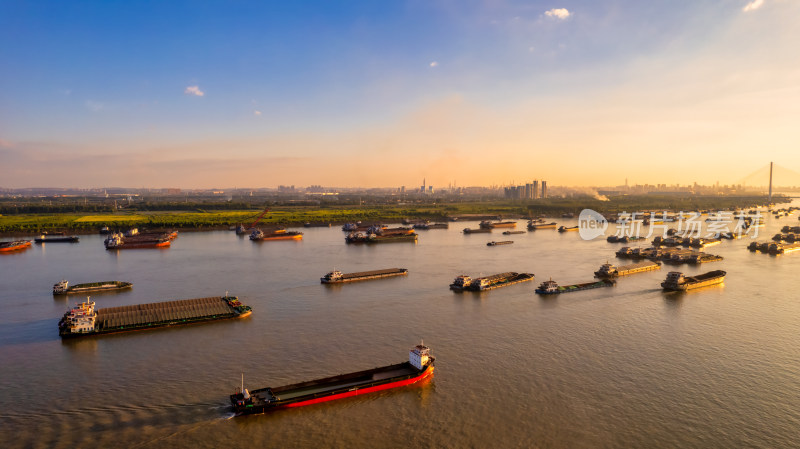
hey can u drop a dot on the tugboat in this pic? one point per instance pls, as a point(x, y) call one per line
point(676, 281)
point(419, 366)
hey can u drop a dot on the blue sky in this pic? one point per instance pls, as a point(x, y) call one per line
point(256, 94)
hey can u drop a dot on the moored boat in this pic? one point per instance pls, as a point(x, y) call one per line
point(534, 227)
point(16, 245)
point(279, 234)
point(63, 288)
point(568, 228)
point(477, 230)
point(418, 367)
point(358, 237)
point(498, 224)
point(504, 242)
point(119, 241)
point(676, 281)
point(60, 237)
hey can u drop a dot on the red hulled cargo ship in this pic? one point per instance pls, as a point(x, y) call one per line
point(17, 245)
point(418, 367)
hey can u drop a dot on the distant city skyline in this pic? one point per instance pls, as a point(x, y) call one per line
point(363, 94)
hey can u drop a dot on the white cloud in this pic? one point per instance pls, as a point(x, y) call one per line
point(754, 5)
point(94, 105)
point(434, 64)
point(194, 90)
point(562, 13)
point(256, 112)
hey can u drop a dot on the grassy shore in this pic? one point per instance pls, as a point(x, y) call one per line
point(298, 215)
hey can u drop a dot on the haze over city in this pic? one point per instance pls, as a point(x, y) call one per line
point(213, 94)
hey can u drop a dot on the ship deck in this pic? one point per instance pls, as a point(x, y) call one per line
point(360, 274)
point(113, 318)
point(343, 381)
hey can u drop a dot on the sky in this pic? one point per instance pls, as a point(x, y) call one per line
point(253, 94)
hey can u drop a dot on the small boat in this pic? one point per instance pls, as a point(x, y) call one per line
point(567, 229)
point(504, 242)
point(513, 232)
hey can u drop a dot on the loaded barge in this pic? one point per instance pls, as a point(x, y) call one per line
point(477, 230)
point(418, 367)
point(337, 277)
point(465, 282)
point(609, 271)
point(676, 281)
point(63, 288)
point(83, 319)
point(551, 287)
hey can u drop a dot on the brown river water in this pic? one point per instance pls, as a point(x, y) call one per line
point(628, 366)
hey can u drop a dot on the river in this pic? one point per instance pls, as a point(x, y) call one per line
point(628, 366)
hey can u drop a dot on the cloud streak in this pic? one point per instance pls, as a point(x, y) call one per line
point(563, 13)
point(752, 6)
point(194, 90)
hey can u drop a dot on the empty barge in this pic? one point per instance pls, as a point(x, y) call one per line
point(418, 367)
point(63, 288)
point(337, 277)
point(83, 319)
